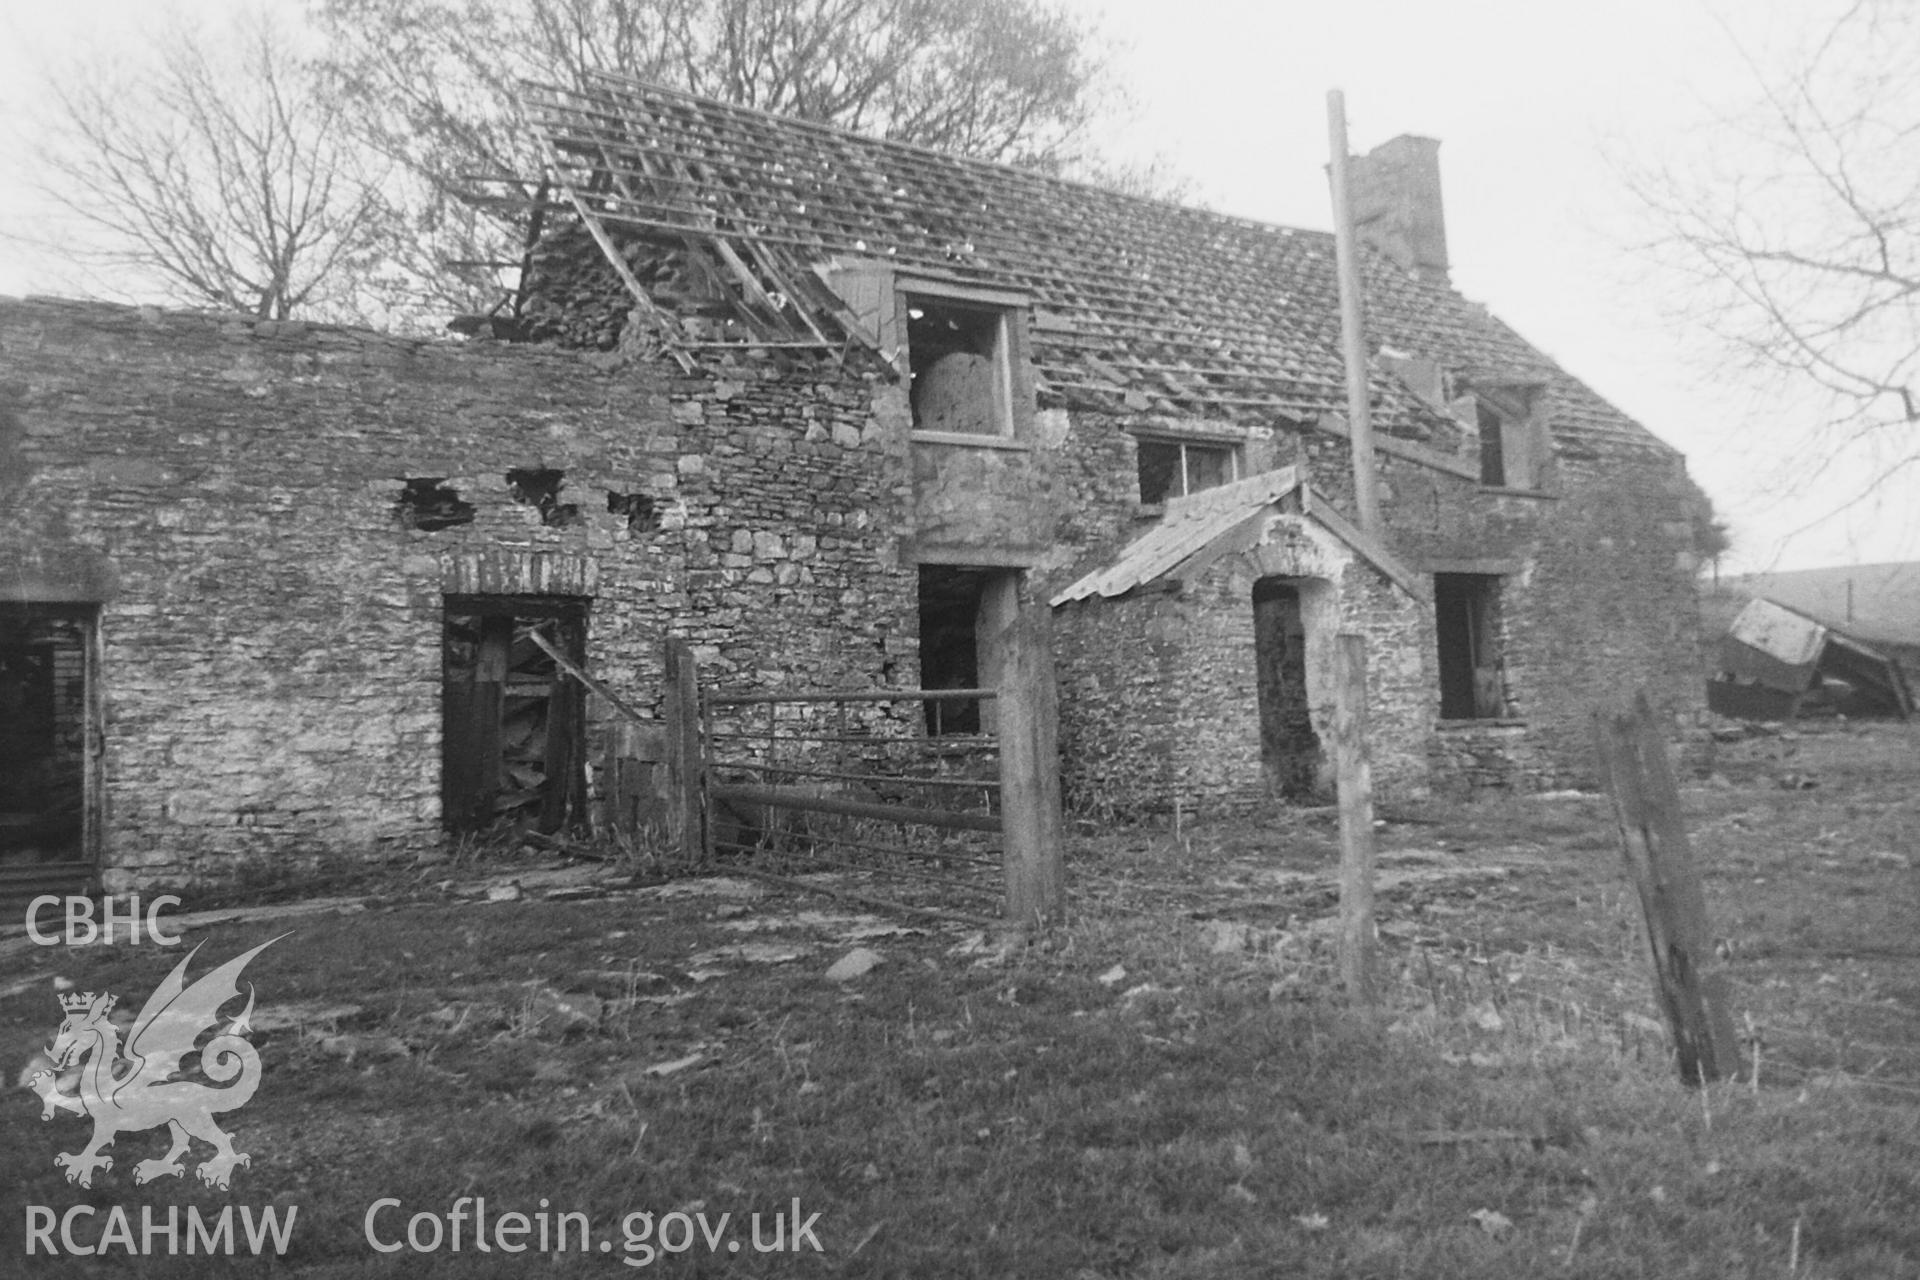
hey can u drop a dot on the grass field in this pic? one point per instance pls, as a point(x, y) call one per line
point(1168, 1086)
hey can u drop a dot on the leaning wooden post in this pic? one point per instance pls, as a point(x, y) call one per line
point(1032, 831)
point(686, 762)
point(1354, 782)
point(1687, 979)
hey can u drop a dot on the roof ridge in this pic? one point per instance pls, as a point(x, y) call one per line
point(1157, 305)
point(826, 129)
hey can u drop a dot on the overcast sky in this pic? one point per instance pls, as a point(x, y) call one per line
point(1529, 98)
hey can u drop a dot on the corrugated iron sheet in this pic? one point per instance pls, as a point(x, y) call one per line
point(1793, 639)
point(1188, 527)
point(1771, 647)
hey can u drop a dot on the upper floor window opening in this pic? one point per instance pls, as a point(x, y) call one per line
point(1511, 439)
point(1493, 454)
point(1176, 468)
point(962, 369)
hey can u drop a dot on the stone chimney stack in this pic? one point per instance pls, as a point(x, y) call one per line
point(1395, 193)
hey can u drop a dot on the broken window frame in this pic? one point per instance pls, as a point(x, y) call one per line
point(1013, 407)
point(1470, 645)
point(1512, 438)
point(1182, 487)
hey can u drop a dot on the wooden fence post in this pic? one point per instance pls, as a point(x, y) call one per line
point(1354, 774)
point(1687, 978)
point(1030, 817)
point(686, 765)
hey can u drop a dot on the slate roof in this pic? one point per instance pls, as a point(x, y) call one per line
point(1139, 304)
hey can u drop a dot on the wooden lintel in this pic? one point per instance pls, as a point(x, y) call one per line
point(931, 283)
point(1335, 425)
point(1489, 566)
point(912, 552)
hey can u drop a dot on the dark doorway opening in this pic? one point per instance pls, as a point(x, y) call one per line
point(44, 697)
point(1466, 608)
point(962, 611)
point(1290, 751)
point(513, 723)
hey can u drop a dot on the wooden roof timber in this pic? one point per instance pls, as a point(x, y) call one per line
point(1210, 307)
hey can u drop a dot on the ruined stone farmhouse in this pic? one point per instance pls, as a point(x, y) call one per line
point(827, 408)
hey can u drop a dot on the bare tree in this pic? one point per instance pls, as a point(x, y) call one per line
point(212, 173)
point(1797, 215)
point(433, 82)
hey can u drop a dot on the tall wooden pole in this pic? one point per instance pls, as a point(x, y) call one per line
point(1353, 333)
point(1354, 783)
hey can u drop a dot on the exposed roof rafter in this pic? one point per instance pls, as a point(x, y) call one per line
point(1151, 306)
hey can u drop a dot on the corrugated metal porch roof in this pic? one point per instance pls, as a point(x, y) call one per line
point(1189, 526)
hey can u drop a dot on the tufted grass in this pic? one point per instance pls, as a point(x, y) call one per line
point(1166, 1087)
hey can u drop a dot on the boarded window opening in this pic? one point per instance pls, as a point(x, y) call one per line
point(428, 504)
point(513, 742)
point(1290, 750)
point(1176, 468)
point(958, 358)
point(642, 514)
point(1467, 619)
point(43, 732)
point(539, 487)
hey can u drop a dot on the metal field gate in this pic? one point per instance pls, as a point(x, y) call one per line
point(946, 801)
point(854, 782)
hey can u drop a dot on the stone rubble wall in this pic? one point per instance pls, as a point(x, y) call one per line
point(271, 631)
point(1159, 690)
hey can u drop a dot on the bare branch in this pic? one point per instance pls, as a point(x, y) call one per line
point(212, 172)
point(431, 85)
point(1797, 218)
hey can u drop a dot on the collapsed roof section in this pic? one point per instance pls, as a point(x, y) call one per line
point(729, 224)
point(1774, 657)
